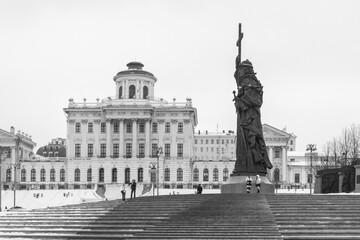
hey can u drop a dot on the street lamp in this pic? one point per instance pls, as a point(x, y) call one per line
point(311, 148)
point(158, 153)
point(15, 165)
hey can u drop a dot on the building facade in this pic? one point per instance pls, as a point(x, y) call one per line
point(15, 149)
point(129, 135)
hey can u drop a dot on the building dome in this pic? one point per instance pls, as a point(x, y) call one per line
point(134, 68)
point(56, 148)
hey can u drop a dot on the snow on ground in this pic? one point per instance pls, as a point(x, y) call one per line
point(33, 199)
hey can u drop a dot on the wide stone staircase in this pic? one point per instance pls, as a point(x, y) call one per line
point(207, 216)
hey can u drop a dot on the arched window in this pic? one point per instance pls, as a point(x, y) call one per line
point(145, 92)
point(167, 174)
point(101, 175)
point(89, 175)
point(196, 175)
point(23, 175)
point(33, 175)
point(127, 175)
point(62, 175)
point(179, 175)
point(114, 175)
point(276, 175)
point(77, 175)
point(225, 174)
point(140, 175)
point(206, 175)
point(8, 175)
point(120, 92)
point(215, 175)
point(132, 91)
point(52, 175)
point(42, 175)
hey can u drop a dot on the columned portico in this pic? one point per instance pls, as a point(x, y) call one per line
point(134, 133)
point(283, 163)
point(121, 138)
point(108, 137)
point(147, 138)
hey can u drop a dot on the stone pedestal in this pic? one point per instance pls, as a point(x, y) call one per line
point(237, 184)
point(318, 184)
point(357, 178)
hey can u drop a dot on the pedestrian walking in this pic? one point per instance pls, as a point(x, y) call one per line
point(248, 184)
point(133, 189)
point(199, 189)
point(123, 192)
point(258, 183)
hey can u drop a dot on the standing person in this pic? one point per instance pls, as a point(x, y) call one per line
point(258, 183)
point(248, 184)
point(199, 189)
point(133, 189)
point(123, 192)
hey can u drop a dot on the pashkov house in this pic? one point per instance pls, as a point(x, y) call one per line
point(115, 140)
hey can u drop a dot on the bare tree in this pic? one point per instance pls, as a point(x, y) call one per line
point(354, 142)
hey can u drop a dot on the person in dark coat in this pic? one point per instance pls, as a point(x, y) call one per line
point(133, 189)
point(123, 192)
point(199, 189)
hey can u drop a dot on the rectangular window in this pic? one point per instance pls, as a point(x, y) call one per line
point(103, 127)
point(154, 147)
point(195, 141)
point(297, 178)
point(141, 127)
point(128, 150)
point(277, 153)
point(90, 127)
point(77, 127)
point(167, 127)
point(212, 141)
point(217, 150)
point(217, 141)
point(77, 150)
point(129, 127)
point(154, 127)
point(180, 150)
point(180, 127)
point(90, 150)
point(141, 150)
point(167, 149)
point(103, 150)
point(116, 127)
point(206, 141)
point(116, 150)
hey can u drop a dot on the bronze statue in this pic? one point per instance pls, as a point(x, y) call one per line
point(251, 154)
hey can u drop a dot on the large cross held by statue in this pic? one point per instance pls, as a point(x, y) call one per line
point(241, 35)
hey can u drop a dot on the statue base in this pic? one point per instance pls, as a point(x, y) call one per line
point(237, 184)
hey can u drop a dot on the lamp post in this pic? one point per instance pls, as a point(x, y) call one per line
point(311, 148)
point(158, 153)
point(15, 165)
point(1, 159)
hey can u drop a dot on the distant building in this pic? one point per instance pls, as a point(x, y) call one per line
point(56, 148)
point(15, 148)
point(117, 139)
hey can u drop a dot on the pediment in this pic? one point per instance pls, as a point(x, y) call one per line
point(272, 132)
point(5, 135)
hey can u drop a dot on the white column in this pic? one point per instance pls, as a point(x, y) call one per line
point(97, 131)
point(84, 132)
point(13, 161)
point(271, 154)
point(126, 89)
point(137, 90)
point(134, 130)
point(147, 138)
point(108, 137)
point(173, 129)
point(140, 89)
point(284, 161)
point(121, 138)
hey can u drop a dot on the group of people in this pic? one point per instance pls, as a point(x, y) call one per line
point(249, 183)
point(133, 190)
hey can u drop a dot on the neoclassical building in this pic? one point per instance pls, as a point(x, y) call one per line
point(115, 140)
point(15, 149)
point(215, 155)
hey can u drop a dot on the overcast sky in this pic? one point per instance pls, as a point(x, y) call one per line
point(305, 53)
